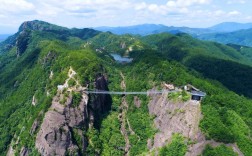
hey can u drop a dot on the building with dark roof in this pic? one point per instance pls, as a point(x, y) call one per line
point(197, 95)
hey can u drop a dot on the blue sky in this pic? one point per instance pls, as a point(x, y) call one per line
point(94, 13)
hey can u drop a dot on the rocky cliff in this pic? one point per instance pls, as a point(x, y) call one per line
point(22, 42)
point(55, 136)
point(70, 115)
point(40, 26)
point(175, 116)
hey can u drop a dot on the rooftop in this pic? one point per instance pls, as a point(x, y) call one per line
point(198, 93)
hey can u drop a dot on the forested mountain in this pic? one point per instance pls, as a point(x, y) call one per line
point(230, 26)
point(226, 33)
point(48, 73)
point(240, 37)
point(148, 29)
point(227, 64)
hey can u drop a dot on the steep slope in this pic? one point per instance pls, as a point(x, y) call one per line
point(32, 79)
point(244, 50)
point(183, 46)
point(67, 113)
point(46, 108)
point(212, 126)
point(219, 62)
point(33, 29)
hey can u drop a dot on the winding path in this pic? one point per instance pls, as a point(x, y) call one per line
point(122, 116)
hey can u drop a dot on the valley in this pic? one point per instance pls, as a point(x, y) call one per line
point(55, 84)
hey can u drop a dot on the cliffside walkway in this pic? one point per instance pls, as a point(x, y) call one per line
point(128, 93)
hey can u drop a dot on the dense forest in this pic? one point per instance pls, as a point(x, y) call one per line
point(26, 67)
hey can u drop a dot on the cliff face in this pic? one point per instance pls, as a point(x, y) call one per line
point(101, 102)
point(180, 117)
point(70, 115)
point(40, 26)
point(174, 117)
point(22, 42)
point(55, 135)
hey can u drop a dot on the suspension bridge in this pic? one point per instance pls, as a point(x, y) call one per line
point(128, 93)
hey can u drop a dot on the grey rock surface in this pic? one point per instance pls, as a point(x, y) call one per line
point(55, 136)
point(174, 117)
point(24, 151)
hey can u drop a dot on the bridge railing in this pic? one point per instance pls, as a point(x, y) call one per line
point(127, 93)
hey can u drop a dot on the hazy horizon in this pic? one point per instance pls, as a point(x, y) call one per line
point(12, 31)
point(113, 13)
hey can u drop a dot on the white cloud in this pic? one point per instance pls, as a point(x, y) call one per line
point(81, 8)
point(248, 18)
point(140, 6)
point(172, 7)
point(236, 2)
point(15, 6)
point(76, 5)
point(234, 13)
point(158, 9)
point(183, 3)
point(218, 13)
point(48, 10)
point(88, 13)
point(2, 15)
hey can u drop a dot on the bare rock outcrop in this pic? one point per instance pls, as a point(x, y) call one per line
point(24, 151)
point(174, 117)
point(100, 103)
point(41, 26)
point(180, 117)
point(71, 112)
point(22, 42)
point(34, 126)
point(55, 137)
point(177, 117)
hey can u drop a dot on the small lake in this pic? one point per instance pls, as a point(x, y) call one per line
point(121, 59)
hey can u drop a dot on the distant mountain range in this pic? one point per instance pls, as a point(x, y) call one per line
point(148, 29)
point(47, 73)
point(241, 37)
point(228, 32)
point(230, 26)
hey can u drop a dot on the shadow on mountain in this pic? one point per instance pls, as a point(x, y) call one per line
point(234, 76)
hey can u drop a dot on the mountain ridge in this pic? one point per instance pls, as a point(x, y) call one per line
point(231, 26)
point(240, 37)
point(44, 108)
point(147, 29)
point(226, 32)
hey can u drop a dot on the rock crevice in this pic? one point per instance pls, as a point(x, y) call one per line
point(67, 118)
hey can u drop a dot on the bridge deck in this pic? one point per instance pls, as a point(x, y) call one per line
point(128, 93)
